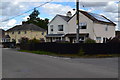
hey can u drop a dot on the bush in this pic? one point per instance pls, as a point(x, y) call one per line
point(88, 40)
point(81, 52)
point(34, 41)
point(24, 40)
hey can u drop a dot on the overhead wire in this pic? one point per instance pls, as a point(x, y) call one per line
point(26, 11)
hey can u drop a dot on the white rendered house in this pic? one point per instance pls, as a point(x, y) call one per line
point(92, 26)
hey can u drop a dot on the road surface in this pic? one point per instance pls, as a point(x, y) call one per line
point(27, 65)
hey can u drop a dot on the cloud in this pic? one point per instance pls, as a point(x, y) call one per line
point(57, 0)
point(93, 4)
point(8, 24)
point(14, 8)
point(11, 22)
point(25, 18)
point(53, 9)
point(111, 7)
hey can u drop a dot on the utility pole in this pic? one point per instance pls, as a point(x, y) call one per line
point(77, 21)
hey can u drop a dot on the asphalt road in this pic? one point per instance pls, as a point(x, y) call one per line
point(26, 65)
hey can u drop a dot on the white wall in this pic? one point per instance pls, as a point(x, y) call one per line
point(100, 31)
point(82, 18)
point(58, 21)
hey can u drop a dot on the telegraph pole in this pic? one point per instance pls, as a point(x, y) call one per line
point(77, 21)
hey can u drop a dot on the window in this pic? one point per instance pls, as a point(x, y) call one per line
point(18, 32)
point(81, 38)
point(83, 25)
point(25, 32)
point(12, 32)
point(60, 27)
point(106, 28)
point(42, 33)
point(98, 39)
point(51, 27)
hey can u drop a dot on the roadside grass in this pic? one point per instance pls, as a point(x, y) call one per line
point(72, 55)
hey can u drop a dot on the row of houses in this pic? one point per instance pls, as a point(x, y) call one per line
point(63, 28)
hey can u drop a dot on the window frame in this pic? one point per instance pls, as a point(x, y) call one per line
point(82, 25)
point(51, 28)
point(19, 32)
point(106, 28)
point(62, 27)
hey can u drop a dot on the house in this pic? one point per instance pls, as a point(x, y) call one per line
point(29, 31)
point(3, 37)
point(94, 26)
point(1, 34)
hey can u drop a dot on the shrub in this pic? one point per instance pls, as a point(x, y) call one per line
point(24, 40)
point(34, 41)
point(81, 52)
point(88, 40)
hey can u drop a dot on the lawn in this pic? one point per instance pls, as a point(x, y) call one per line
point(72, 55)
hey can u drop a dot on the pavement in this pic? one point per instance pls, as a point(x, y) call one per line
point(27, 65)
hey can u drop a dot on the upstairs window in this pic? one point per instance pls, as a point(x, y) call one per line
point(12, 32)
point(60, 27)
point(83, 25)
point(18, 32)
point(42, 33)
point(25, 32)
point(51, 27)
point(106, 28)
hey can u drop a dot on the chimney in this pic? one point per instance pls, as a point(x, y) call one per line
point(69, 14)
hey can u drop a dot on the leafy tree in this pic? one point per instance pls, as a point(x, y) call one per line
point(33, 18)
point(34, 14)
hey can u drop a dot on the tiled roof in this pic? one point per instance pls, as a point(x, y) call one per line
point(97, 18)
point(94, 17)
point(66, 18)
point(26, 27)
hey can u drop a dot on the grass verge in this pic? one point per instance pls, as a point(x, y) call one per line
point(72, 55)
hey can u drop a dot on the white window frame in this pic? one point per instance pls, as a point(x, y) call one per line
point(83, 24)
point(98, 39)
point(51, 28)
point(62, 27)
point(106, 28)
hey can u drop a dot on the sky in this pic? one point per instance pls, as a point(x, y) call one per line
point(12, 8)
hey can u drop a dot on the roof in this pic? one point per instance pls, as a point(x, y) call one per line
point(26, 27)
point(97, 18)
point(94, 17)
point(66, 18)
point(2, 32)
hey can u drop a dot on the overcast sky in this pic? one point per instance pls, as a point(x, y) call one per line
point(9, 8)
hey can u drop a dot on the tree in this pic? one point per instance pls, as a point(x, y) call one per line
point(34, 19)
point(34, 15)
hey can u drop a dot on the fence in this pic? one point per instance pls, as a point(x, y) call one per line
point(67, 48)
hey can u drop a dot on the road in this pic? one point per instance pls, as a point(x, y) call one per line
point(27, 65)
